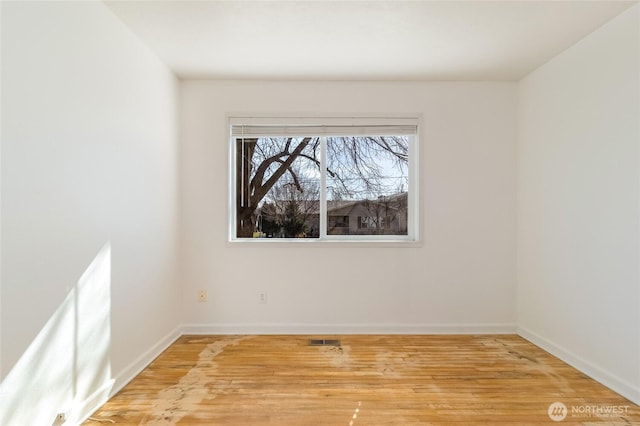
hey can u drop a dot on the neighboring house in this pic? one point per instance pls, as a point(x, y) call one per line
point(386, 215)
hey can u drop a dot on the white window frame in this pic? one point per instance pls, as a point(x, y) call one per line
point(318, 126)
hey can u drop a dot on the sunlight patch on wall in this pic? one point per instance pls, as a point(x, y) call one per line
point(68, 362)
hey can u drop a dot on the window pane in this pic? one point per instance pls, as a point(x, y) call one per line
point(367, 185)
point(277, 187)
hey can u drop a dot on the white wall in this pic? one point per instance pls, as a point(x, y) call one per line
point(89, 208)
point(461, 279)
point(578, 205)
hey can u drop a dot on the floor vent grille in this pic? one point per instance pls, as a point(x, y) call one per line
point(324, 342)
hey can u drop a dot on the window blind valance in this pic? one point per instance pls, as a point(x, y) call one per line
point(254, 128)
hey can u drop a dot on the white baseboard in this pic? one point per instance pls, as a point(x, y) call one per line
point(82, 410)
point(277, 328)
point(621, 386)
point(133, 369)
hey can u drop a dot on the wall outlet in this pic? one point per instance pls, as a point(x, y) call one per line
point(202, 296)
point(262, 297)
point(60, 419)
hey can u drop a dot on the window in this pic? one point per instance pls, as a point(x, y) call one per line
point(323, 179)
point(373, 222)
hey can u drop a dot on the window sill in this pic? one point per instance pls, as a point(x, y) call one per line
point(309, 242)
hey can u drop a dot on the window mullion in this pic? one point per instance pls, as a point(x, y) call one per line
point(412, 207)
point(323, 188)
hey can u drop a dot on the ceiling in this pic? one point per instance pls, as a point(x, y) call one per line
point(361, 40)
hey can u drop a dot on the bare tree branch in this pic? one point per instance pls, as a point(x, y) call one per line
point(354, 165)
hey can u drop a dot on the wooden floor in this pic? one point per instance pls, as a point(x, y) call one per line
point(368, 380)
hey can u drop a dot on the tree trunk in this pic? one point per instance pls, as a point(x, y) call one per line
point(244, 210)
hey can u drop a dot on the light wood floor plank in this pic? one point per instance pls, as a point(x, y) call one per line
point(368, 380)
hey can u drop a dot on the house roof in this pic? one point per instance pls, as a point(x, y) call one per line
point(313, 206)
